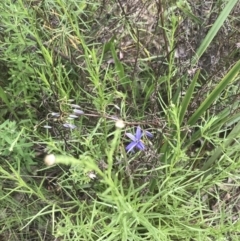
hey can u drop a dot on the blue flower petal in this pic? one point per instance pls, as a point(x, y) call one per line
point(70, 117)
point(138, 133)
point(55, 114)
point(148, 134)
point(75, 106)
point(78, 112)
point(131, 136)
point(140, 146)
point(70, 126)
point(131, 146)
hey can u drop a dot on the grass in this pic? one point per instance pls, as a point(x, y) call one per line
point(170, 68)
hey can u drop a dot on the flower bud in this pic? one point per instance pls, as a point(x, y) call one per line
point(120, 124)
point(49, 160)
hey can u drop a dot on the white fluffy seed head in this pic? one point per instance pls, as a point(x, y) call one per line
point(91, 175)
point(49, 160)
point(120, 124)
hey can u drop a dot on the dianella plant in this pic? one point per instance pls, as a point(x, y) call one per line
point(203, 124)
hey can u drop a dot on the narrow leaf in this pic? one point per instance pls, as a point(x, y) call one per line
point(218, 152)
point(215, 93)
point(188, 96)
point(214, 29)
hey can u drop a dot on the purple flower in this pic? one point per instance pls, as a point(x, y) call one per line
point(148, 134)
point(75, 106)
point(78, 112)
point(55, 114)
point(70, 126)
point(70, 117)
point(136, 140)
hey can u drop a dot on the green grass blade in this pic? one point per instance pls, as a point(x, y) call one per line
point(224, 118)
point(218, 152)
point(187, 98)
point(215, 93)
point(214, 29)
point(118, 64)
